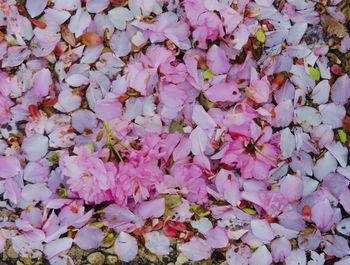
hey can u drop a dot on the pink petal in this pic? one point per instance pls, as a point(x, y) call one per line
point(42, 82)
point(157, 243)
point(280, 249)
point(344, 200)
point(197, 249)
point(261, 256)
point(126, 247)
point(56, 247)
point(152, 209)
point(296, 257)
point(322, 214)
point(217, 237)
point(96, 6)
point(262, 230)
point(10, 166)
point(89, 237)
point(108, 109)
point(35, 7)
point(12, 191)
point(35, 147)
point(292, 187)
point(217, 60)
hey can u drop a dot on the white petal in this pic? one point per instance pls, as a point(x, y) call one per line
point(157, 243)
point(35, 7)
point(119, 16)
point(126, 247)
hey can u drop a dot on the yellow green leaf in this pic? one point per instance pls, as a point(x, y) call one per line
point(54, 158)
point(208, 74)
point(260, 36)
point(199, 210)
point(90, 146)
point(172, 200)
point(176, 126)
point(314, 73)
point(342, 136)
point(249, 211)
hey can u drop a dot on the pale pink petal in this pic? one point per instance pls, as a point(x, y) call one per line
point(56, 247)
point(126, 247)
point(217, 60)
point(89, 237)
point(261, 256)
point(152, 209)
point(197, 249)
point(10, 166)
point(322, 213)
point(35, 7)
point(157, 243)
point(296, 257)
point(96, 6)
point(292, 187)
point(344, 200)
point(35, 147)
point(262, 230)
point(217, 237)
point(42, 82)
point(280, 249)
point(119, 16)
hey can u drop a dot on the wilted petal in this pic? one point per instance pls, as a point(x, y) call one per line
point(42, 82)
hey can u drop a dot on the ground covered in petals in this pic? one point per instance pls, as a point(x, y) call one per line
point(174, 132)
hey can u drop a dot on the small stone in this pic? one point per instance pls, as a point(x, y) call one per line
point(11, 253)
point(109, 250)
point(19, 262)
point(112, 260)
point(181, 259)
point(96, 258)
point(27, 260)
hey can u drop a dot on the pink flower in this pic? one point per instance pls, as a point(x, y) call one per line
point(87, 175)
point(254, 156)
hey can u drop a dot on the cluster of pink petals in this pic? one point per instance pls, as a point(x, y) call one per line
point(223, 124)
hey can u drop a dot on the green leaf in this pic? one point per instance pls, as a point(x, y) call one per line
point(172, 200)
point(260, 36)
point(62, 192)
point(342, 136)
point(176, 126)
point(249, 211)
point(110, 139)
point(314, 73)
point(208, 74)
point(54, 158)
point(199, 210)
point(90, 146)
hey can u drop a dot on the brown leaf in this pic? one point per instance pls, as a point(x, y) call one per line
point(333, 27)
point(68, 36)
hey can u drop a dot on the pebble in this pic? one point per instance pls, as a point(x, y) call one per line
point(96, 258)
point(112, 260)
point(181, 259)
point(11, 253)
